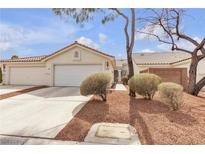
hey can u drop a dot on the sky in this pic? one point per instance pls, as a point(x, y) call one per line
point(33, 32)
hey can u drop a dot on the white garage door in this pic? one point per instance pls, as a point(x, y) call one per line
point(73, 75)
point(27, 75)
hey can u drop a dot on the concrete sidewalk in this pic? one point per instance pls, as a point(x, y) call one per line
point(4, 89)
point(15, 140)
point(120, 87)
point(40, 113)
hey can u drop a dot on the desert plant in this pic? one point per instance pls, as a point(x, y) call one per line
point(171, 94)
point(125, 80)
point(96, 84)
point(144, 84)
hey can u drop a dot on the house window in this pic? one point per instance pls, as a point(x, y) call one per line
point(107, 65)
point(76, 55)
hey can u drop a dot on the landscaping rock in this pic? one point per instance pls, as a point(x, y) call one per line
point(112, 133)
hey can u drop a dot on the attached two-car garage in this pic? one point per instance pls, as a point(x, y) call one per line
point(64, 75)
point(73, 75)
point(68, 66)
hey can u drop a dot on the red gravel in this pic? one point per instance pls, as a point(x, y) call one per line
point(19, 92)
point(202, 94)
point(153, 121)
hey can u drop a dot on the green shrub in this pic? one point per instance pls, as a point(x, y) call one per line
point(96, 84)
point(171, 94)
point(144, 84)
point(0, 75)
point(125, 80)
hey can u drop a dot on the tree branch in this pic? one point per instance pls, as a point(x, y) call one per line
point(187, 51)
point(166, 42)
point(126, 25)
point(180, 35)
point(200, 46)
point(132, 29)
point(201, 57)
point(168, 33)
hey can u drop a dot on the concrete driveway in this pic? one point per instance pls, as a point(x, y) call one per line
point(40, 113)
point(4, 89)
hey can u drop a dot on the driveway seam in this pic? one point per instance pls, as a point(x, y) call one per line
point(19, 92)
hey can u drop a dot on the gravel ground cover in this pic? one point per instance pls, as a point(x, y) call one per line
point(152, 119)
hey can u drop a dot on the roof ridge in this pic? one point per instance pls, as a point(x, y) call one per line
point(76, 42)
point(32, 56)
point(161, 52)
point(42, 57)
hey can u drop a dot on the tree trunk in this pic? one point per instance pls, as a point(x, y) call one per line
point(199, 86)
point(130, 48)
point(192, 75)
point(130, 64)
point(131, 71)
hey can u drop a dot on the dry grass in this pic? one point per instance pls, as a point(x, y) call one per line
point(152, 119)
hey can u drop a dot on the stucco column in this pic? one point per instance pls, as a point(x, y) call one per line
point(119, 75)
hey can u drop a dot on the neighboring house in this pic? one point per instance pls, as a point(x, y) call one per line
point(171, 66)
point(65, 67)
point(121, 69)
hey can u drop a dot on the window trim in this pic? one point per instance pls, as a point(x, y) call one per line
point(74, 55)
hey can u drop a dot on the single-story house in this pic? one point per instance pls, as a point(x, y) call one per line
point(170, 66)
point(65, 67)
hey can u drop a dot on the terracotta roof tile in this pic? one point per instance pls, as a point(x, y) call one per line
point(40, 58)
point(85, 46)
point(25, 59)
point(160, 58)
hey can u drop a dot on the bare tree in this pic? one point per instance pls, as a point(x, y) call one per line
point(86, 14)
point(169, 20)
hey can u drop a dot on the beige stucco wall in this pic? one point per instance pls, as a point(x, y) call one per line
point(86, 57)
point(138, 68)
point(185, 64)
point(200, 68)
point(66, 57)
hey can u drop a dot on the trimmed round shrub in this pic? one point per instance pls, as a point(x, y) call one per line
point(96, 84)
point(125, 80)
point(171, 94)
point(144, 84)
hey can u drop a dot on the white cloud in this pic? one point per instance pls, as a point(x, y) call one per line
point(88, 42)
point(4, 46)
point(181, 44)
point(102, 38)
point(13, 37)
point(147, 51)
point(157, 30)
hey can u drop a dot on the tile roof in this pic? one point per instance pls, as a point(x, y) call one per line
point(82, 45)
point(160, 58)
point(25, 59)
point(40, 58)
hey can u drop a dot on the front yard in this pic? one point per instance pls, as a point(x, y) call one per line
point(202, 94)
point(153, 120)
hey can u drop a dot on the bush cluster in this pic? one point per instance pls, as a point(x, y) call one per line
point(171, 94)
point(96, 84)
point(144, 84)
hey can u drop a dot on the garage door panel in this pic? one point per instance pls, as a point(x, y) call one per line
point(27, 75)
point(73, 75)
